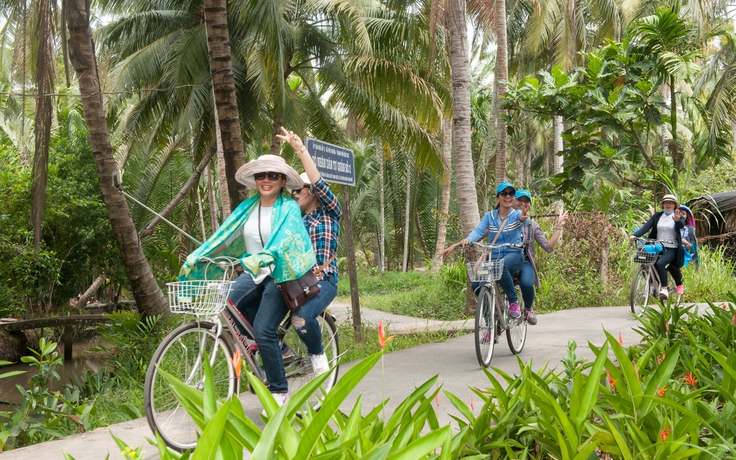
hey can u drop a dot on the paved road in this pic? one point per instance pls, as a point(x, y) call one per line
point(454, 361)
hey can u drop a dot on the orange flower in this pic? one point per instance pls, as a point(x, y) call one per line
point(382, 335)
point(636, 370)
point(472, 406)
point(660, 359)
point(689, 379)
point(667, 327)
point(661, 391)
point(664, 434)
point(611, 382)
point(620, 339)
point(437, 399)
point(733, 320)
point(237, 361)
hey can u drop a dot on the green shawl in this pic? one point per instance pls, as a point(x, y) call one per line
point(289, 249)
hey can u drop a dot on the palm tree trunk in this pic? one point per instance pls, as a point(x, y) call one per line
point(446, 188)
point(148, 296)
point(407, 218)
point(466, 189)
point(382, 201)
point(211, 198)
point(557, 158)
point(221, 177)
point(502, 74)
point(464, 171)
point(226, 103)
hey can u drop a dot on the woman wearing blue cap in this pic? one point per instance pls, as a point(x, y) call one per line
point(529, 278)
point(503, 225)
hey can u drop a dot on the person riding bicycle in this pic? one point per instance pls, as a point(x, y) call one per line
point(689, 240)
point(503, 225)
point(665, 226)
point(528, 276)
point(267, 234)
point(321, 213)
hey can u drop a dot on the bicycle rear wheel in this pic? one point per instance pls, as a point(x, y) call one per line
point(516, 328)
point(485, 326)
point(298, 364)
point(639, 298)
point(181, 354)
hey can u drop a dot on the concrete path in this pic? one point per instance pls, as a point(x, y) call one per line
point(454, 361)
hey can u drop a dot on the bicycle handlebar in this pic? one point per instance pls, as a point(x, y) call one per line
point(497, 246)
point(646, 241)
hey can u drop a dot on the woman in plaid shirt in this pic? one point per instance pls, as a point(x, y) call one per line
point(321, 213)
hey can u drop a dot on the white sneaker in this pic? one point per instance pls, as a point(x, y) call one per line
point(663, 294)
point(320, 365)
point(280, 398)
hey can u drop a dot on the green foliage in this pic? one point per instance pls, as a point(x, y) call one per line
point(296, 431)
point(43, 415)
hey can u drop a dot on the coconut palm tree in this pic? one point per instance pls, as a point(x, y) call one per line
point(149, 298)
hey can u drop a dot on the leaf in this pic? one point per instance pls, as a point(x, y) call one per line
point(424, 445)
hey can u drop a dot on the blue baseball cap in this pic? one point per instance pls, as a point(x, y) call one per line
point(503, 186)
point(525, 193)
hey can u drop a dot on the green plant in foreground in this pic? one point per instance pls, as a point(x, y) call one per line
point(43, 415)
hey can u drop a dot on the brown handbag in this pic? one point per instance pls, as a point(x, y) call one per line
point(297, 292)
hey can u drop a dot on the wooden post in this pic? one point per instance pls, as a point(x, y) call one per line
point(347, 226)
point(68, 342)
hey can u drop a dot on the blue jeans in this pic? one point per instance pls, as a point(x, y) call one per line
point(304, 319)
point(249, 297)
point(526, 284)
point(512, 263)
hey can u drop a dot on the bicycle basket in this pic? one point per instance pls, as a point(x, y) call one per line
point(484, 270)
point(648, 254)
point(200, 297)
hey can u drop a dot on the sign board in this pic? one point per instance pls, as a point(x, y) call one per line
point(335, 163)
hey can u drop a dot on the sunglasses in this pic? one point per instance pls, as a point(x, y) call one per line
point(300, 190)
point(507, 194)
point(272, 176)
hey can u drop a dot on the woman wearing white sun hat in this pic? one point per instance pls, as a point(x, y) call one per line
point(665, 226)
point(267, 234)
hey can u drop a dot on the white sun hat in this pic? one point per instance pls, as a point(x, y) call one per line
point(268, 163)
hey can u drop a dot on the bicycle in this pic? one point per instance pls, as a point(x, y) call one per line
point(492, 310)
point(215, 334)
point(646, 281)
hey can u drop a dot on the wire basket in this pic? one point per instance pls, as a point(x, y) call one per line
point(200, 297)
point(645, 257)
point(485, 270)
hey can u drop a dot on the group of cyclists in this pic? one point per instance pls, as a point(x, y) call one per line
point(508, 224)
point(291, 226)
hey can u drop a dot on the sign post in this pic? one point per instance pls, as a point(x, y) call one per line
point(336, 164)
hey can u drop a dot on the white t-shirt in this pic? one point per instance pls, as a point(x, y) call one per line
point(666, 230)
point(253, 238)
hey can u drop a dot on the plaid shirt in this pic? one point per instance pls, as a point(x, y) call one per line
point(323, 225)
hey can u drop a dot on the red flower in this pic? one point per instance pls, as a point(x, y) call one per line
point(620, 339)
point(661, 391)
point(472, 406)
point(611, 382)
point(237, 360)
point(664, 434)
point(382, 335)
point(689, 379)
point(724, 306)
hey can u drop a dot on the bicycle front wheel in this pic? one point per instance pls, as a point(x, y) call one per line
point(298, 364)
point(516, 330)
point(485, 326)
point(182, 354)
point(639, 298)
